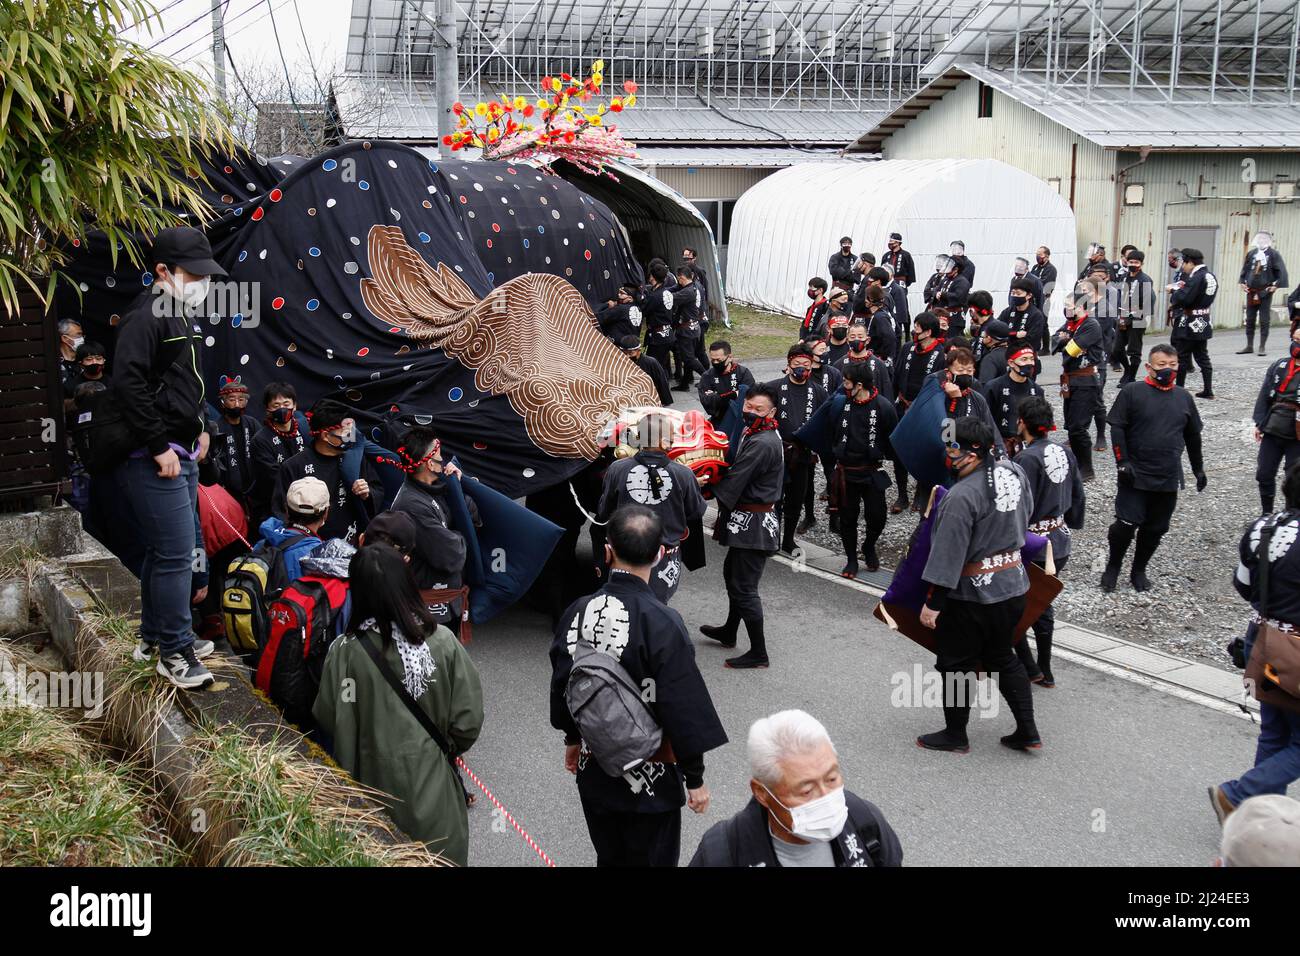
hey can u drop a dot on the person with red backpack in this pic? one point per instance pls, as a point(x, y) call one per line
point(307, 507)
point(254, 581)
point(303, 621)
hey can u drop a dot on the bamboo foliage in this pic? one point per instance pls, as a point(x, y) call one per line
point(91, 127)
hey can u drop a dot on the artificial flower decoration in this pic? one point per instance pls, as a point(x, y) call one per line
point(507, 129)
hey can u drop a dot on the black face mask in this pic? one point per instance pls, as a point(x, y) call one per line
point(1295, 350)
point(1163, 376)
point(719, 367)
point(860, 345)
point(800, 374)
point(955, 465)
point(92, 372)
point(964, 381)
point(839, 335)
point(282, 416)
point(749, 417)
point(1134, 270)
point(234, 414)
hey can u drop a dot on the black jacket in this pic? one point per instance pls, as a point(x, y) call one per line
point(1260, 275)
point(157, 375)
point(439, 556)
point(650, 365)
point(842, 267)
point(745, 840)
point(901, 261)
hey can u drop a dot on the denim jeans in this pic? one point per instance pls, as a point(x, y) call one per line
point(163, 510)
point(1277, 756)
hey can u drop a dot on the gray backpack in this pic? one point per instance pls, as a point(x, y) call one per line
point(606, 704)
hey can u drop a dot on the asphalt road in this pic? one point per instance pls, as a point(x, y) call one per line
point(1120, 781)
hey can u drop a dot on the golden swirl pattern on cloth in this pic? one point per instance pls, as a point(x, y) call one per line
point(532, 339)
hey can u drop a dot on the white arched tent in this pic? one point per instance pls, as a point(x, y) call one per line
point(785, 228)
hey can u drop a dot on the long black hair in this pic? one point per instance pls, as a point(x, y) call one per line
point(384, 588)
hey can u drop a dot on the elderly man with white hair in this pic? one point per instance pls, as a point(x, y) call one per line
point(800, 814)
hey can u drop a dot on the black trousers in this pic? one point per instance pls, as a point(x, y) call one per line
point(1080, 410)
point(1272, 451)
point(867, 497)
point(742, 569)
point(634, 839)
point(1131, 359)
point(799, 478)
point(1150, 511)
point(1258, 314)
point(1043, 629)
point(1189, 349)
point(1099, 410)
point(659, 350)
point(973, 637)
point(684, 350)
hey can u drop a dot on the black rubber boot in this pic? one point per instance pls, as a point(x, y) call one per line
point(1026, 737)
point(1027, 659)
point(1082, 449)
point(756, 656)
point(1142, 551)
point(724, 634)
point(1207, 376)
point(1250, 346)
point(1119, 536)
point(1266, 503)
point(952, 739)
point(849, 538)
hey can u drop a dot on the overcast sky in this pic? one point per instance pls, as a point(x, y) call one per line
point(249, 33)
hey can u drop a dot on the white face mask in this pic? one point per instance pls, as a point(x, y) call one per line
point(819, 820)
point(194, 293)
point(77, 341)
point(1262, 242)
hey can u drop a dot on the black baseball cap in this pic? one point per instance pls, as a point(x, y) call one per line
point(397, 526)
point(896, 236)
point(188, 248)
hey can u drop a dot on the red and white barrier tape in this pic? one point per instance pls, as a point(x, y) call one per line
point(497, 803)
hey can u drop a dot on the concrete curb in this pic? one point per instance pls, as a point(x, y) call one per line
point(66, 601)
point(1187, 680)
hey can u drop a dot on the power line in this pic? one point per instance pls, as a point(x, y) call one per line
point(297, 110)
point(164, 38)
point(307, 46)
point(150, 16)
point(184, 50)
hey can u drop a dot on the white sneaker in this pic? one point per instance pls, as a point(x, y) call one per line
point(147, 649)
point(184, 670)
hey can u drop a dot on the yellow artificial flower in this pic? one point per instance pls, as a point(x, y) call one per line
point(630, 101)
point(594, 120)
point(520, 102)
point(480, 109)
point(598, 66)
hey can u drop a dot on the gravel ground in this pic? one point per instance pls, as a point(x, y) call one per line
point(1193, 610)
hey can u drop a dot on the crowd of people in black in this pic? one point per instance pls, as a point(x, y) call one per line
point(346, 603)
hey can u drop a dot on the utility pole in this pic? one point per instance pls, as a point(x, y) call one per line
point(219, 50)
point(447, 82)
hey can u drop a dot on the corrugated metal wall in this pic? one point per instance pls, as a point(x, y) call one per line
point(1025, 138)
point(1165, 205)
point(703, 182)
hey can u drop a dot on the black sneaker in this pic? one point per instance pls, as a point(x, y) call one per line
point(1109, 578)
point(184, 670)
point(747, 661)
point(942, 740)
point(1140, 581)
point(719, 633)
point(1025, 738)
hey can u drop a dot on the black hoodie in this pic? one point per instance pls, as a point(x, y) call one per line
point(157, 376)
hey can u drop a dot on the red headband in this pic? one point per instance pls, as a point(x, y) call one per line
point(1024, 350)
point(410, 465)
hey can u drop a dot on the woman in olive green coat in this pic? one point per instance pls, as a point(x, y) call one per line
point(376, 737)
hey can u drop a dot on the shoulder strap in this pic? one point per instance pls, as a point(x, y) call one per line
point(1261, 555)
point(404, 695)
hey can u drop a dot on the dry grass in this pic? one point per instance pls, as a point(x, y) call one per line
point(271, 806)
point(63, 800)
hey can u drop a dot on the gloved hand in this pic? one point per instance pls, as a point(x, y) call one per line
point(1124, 473)
point(1201, 481)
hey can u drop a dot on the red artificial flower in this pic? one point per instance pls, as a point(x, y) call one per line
point(629, 87)
point(528, 110)
point(446, 141)
point(568, 137)
point(458, 108)
point(565, 77)
point(616, 107)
